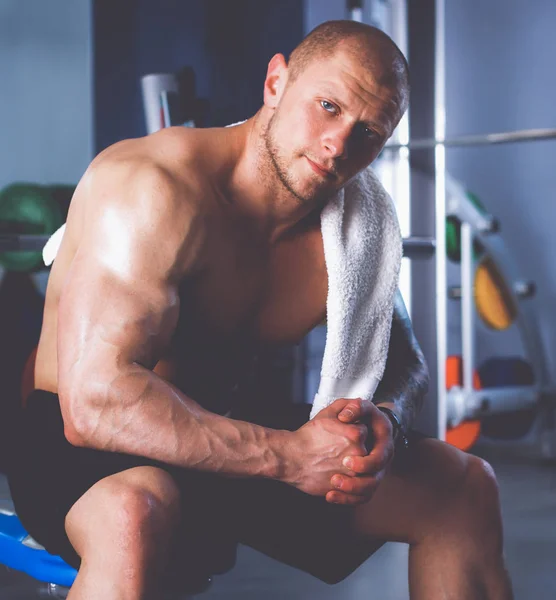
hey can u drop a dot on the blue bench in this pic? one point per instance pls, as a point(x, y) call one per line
point(20, 552)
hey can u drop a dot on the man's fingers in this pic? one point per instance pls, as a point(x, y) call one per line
point(354, 411)
point(334, 409)
point(357, 486)
point(379, 457)
point(336, 497)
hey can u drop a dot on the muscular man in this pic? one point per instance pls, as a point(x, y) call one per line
point(183, 251)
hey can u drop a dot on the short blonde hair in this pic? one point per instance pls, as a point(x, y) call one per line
point(368, 45)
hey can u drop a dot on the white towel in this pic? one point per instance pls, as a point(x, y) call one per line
point(53, 245)
point(363, 252)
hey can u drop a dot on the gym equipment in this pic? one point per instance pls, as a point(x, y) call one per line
point(413, 247)
point(27, 209)
point(502, 299)
point(465, 434)
point(153, 86)
point(508, 371)
point(170, 99)
point(20, 552)
point(492, 297)
point(22, 243)
point(453, 232)
point(418, 247)
point(509, 137)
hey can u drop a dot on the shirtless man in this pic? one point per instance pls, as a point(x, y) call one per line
point(193, 246)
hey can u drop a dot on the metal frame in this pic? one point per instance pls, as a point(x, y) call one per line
point(488, 139)
point(465, 402)
point(413, 247)
point(23, 243)
point(440, 214)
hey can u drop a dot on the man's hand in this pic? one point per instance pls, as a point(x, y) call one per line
point(365, 472)
point(317, 449)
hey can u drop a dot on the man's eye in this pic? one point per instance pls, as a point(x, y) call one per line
point(328, 106)
point(369, 133)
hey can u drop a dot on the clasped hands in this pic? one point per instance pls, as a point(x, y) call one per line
point(347, 449)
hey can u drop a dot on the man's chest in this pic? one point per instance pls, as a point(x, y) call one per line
point(238, 308)
point(271, 297)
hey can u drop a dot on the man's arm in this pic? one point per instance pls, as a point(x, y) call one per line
point(118, 311)
point(406, 376)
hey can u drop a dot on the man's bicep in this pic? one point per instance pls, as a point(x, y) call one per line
point(119, 305)
point(106, 323)
point(120, 301)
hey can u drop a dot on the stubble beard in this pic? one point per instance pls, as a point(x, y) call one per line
point(273, 161)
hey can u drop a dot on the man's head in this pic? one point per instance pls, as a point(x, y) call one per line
point(333, 106)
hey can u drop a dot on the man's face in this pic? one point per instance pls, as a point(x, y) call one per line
point(331, 122)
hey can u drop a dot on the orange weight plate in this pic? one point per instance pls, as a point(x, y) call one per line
point(493, 299)
point(464, 435)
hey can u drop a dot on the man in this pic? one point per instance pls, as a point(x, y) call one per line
point(193, 246)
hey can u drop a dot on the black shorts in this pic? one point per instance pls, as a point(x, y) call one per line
point(304, 531)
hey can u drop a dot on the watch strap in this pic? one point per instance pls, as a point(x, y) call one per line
point(399, 432)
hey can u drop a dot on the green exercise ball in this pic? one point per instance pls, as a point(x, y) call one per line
point(453, 233)
point(27, 209)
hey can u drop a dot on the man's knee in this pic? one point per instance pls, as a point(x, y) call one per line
point(461, 488)
point(134, 507)
point(139, 509)
point(482, 497)
point(480, 479)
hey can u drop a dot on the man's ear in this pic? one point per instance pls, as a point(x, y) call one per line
point(276, 79)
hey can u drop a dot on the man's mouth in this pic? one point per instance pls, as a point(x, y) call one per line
point(320, 169)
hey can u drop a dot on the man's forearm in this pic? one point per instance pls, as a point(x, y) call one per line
point(141, 414)
point(405, 394)
point(406, 378)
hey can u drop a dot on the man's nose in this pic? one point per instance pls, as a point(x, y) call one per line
point(335, 142)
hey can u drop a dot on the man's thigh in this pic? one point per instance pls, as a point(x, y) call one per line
point(424, 482)
point(299, 530)
point(50, 476)
point(291, 526)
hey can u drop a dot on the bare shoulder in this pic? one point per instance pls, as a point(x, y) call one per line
point(147, 191)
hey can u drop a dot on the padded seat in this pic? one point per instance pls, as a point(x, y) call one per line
point(20, 552)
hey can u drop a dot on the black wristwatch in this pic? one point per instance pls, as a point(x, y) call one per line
point(396, 425)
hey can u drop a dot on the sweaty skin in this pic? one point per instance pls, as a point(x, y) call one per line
point(189, 241)
point(183, 251)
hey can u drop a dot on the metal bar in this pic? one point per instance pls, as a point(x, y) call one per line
point(418, 247)
point(22, 243)
point(414, 247)
point(493, 401)
point(467, 315)
point(401, 184)
point(440, 213)
point(490, 401)
point(510, 137)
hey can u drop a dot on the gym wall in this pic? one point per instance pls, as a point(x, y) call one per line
point(228, 44)
point(46, 99)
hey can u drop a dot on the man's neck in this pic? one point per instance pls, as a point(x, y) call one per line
point(256, 190)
